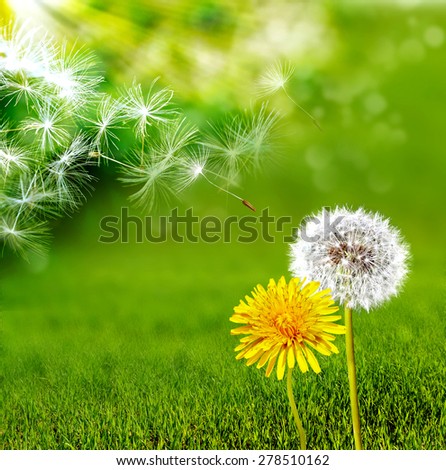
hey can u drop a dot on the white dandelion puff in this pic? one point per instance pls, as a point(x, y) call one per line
point(358, 255)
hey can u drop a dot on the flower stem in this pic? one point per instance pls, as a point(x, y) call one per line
point(303, 442)
point(350, 350)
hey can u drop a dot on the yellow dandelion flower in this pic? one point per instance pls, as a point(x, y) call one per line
point(283, 323)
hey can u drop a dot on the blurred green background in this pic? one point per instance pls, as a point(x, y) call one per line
point(128, 346)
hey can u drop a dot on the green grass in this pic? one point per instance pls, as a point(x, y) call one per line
point(128, 347)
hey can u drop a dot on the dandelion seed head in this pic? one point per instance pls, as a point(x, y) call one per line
point(363, 260)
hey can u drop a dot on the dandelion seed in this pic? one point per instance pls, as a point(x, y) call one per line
point(174, 138)
point(13, 158)
point(260, 134)
point(242, 142)
point(230, 147)
point(21, 51)
point(71, 75)
point(191, 167)
point(275, 78)
point(29, 236)
point(108, 118)
point(49, 126)
point(156, 179)
point(194, 167)
point(67, 176)
point(27, 196)
point(19, 87)
point(155, 107)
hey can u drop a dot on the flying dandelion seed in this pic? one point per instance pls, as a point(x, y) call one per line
point(261, 134)
point(230, 147)
point(49, 126)
point(156, 180)
point(67, 176)
point(71, 75)
point(20, 87)
point(275, 79)
point(283, 324)
point(27, 237)
point(22, 51)
point(13, 158)
point(174, 137)
point(192, 167)
point(27, 196)
point(146, 110)
point(109, 118)
point(242, 142)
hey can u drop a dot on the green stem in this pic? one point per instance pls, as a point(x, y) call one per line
point(303, 442)
point(350, 350)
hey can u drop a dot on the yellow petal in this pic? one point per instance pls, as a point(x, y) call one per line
point(248, 348)
point(263, 360)
point(310, 288)
point(241, 330)
point(301, 362)
point(335, 329)
point(311, 358)
point(281, 362)
point(254, 358)
point(270, 366)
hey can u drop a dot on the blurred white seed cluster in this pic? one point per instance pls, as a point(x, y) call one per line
point(55, 123)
